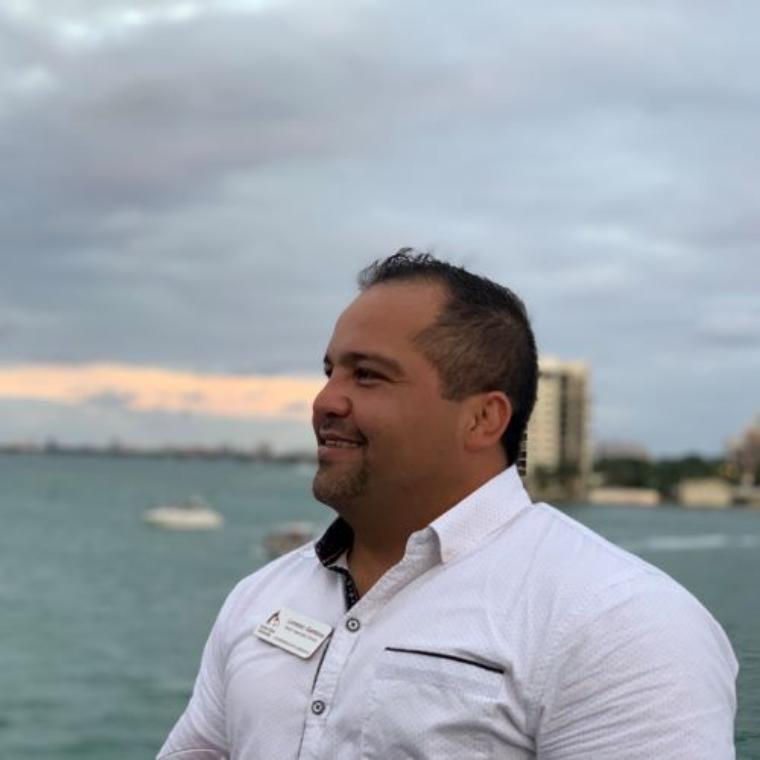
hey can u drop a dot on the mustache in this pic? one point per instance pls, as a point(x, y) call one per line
point(339, 430)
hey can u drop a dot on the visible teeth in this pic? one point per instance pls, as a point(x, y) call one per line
point(341, 444)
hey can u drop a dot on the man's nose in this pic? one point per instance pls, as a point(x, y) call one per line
point(332, 400)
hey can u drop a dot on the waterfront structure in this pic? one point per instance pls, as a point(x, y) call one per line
point(558, 450)
point(744, 453)
point(623, 496)
point(743, 456)
point(714, 493)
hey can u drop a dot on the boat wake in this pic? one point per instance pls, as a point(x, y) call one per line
point(694, 543)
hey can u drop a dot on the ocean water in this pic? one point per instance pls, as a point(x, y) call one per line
point(103, 618)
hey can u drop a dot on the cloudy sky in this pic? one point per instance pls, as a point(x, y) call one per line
point(187, 190)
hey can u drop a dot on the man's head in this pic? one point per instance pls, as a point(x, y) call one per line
point(429, 365)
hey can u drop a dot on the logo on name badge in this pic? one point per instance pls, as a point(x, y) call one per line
point(293, 632)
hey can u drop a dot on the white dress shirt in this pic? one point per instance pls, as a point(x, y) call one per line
point(508, 630)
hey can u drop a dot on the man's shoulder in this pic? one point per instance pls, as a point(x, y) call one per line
point(593, 585)
point(287, 565)
point(563, 549)
point(575, 575)
point(604, 610)
point(291, 569)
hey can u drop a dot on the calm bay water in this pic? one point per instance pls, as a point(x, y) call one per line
point(102, 618)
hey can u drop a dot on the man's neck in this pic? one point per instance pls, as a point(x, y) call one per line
point(367, 565)
point(382, 527)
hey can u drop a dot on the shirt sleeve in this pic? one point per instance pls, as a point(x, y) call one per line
point(648, 673)
point(200, 734)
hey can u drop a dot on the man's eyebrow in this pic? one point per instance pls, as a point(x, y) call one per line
point(352, 358)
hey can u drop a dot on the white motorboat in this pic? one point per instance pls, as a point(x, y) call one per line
point(193, 514)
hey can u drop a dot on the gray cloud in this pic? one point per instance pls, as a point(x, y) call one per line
point(196, 188)
point(110, 400)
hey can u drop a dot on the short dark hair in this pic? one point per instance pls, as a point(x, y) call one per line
point(482, 340)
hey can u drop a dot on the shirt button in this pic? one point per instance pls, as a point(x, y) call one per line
point(353, 625)
point(318, 707)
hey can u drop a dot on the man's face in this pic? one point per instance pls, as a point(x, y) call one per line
point(382, 425)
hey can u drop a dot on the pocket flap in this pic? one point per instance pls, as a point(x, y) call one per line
point(440, 669)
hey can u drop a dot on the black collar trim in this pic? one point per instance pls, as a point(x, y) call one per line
point(336, 540)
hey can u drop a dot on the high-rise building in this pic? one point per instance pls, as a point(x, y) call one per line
point(744, 453)
point(558, 450)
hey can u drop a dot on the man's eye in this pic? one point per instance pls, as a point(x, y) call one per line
point(363, 374)
point(328, 371)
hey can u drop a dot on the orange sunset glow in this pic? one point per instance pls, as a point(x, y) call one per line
point(149, 389)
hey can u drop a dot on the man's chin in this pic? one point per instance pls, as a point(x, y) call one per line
point(336, 486)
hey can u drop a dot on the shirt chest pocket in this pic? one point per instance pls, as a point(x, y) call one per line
point(429, 705)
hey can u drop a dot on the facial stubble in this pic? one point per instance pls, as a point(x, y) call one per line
point(336, 486)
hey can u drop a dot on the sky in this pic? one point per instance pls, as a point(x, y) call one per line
point(188, 190)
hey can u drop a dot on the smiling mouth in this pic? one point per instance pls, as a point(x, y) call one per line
point(330, 441)
point(336, 444)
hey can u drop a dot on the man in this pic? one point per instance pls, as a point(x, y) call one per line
point(442, 615)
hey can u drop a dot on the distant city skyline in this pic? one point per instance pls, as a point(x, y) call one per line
point(188, 190)
point(154, 407)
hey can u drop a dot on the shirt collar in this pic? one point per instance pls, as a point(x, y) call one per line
point(459, 529)
point(493, 505)
point(335, 541)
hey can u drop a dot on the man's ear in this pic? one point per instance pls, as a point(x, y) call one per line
point(487, 419)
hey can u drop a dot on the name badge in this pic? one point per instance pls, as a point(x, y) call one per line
point(293, 632)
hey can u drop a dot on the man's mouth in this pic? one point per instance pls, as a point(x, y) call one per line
point(334, 441)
